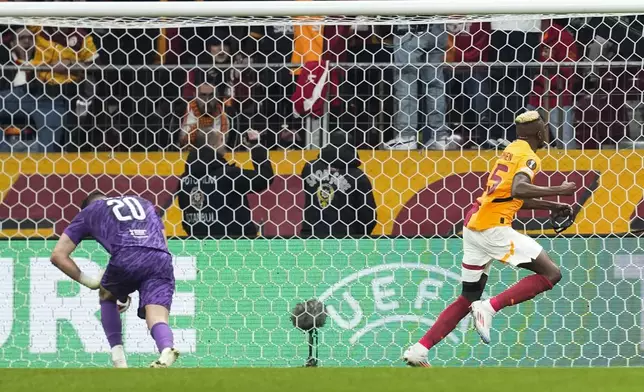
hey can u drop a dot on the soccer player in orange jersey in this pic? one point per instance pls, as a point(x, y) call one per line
point(488, 235)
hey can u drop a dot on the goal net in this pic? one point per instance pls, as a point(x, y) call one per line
point(381, 121)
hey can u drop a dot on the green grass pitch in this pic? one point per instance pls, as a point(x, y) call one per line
point(324, 379)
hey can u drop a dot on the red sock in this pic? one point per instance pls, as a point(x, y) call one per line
point(446, 322)
point(525, 289)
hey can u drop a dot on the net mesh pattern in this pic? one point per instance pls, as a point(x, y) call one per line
point(363, 141)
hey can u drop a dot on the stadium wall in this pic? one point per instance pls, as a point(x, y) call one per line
point(416, 193)
point(234, 298)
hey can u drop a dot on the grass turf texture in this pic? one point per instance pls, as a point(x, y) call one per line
point(323, 379)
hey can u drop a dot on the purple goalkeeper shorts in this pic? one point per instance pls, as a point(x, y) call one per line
point(147, 271)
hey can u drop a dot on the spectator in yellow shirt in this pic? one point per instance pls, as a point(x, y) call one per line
point(46, 94)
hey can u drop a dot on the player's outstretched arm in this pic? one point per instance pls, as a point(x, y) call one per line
point(523, 188)
point(60, 257)
point(538, 204)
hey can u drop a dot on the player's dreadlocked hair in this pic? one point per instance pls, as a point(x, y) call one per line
point(92, 196)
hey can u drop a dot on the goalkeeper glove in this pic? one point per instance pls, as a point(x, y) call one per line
point(562, 218)
point(91, 282)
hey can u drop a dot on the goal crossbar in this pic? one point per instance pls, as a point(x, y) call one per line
point(315, 8)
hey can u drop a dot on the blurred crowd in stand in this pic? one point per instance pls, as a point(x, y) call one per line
point(438, 86)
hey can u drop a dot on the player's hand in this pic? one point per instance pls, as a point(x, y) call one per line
point(92, 283)
point(567, 188)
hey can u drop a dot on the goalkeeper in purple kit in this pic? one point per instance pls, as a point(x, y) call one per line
point(131, 232)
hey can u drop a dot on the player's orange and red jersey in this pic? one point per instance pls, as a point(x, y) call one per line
point(496, 207)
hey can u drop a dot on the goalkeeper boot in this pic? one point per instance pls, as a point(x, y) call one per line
point(167, 358)
point(416, 356)
point(482, 313)
point(118, 357)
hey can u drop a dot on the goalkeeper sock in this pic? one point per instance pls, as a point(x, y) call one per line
point(446, 322)
point(162, 335)
point(525, 289)
point(111, 320)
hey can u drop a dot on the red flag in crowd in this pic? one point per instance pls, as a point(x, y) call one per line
point(316, 82)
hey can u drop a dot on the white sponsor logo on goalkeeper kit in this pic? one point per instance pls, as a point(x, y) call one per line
point(387, 297)
point(139, 233)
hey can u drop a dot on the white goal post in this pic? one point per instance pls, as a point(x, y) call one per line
point(201, 11)
point(316, 8)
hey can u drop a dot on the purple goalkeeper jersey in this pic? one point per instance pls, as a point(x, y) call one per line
point(119, 222)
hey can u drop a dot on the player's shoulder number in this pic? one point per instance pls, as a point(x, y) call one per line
point(127, 208)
